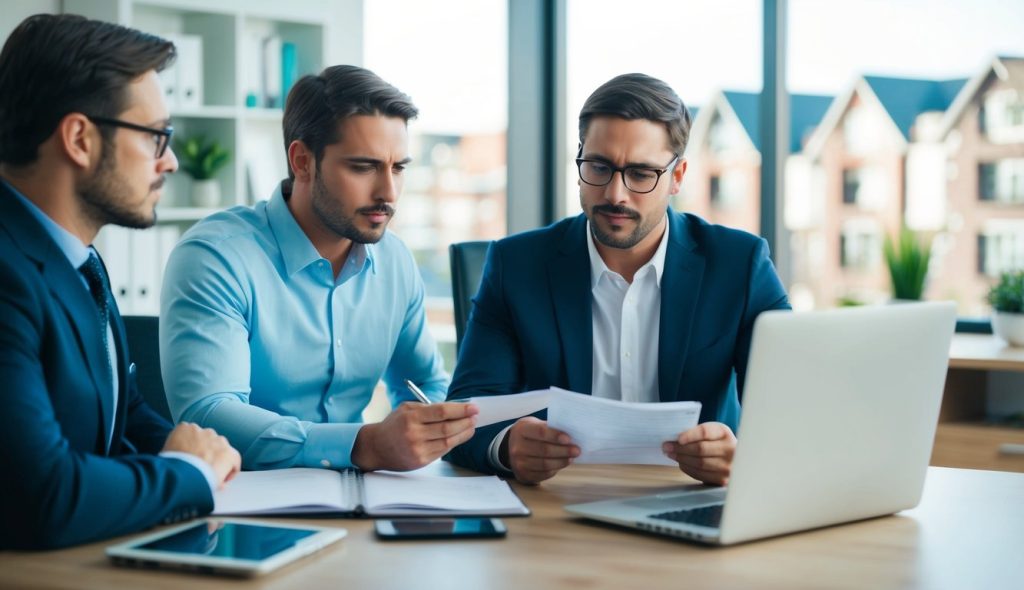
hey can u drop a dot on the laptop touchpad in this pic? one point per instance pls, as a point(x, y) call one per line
point(678, 499)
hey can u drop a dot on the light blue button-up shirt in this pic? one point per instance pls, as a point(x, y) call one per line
point(261, 342)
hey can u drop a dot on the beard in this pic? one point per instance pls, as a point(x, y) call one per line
point(330, 212)
point(620, 240)
point(107, 196)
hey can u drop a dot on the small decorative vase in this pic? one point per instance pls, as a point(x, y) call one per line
point(206, 193)
point(1009, 327)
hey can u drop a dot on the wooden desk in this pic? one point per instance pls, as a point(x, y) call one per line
point(963, 438)
point(968, 532)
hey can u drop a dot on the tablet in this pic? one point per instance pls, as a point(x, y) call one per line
point(225, 546)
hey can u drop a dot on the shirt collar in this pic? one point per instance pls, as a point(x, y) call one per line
point(598, 268)
point(296, 248)
point(73, 248)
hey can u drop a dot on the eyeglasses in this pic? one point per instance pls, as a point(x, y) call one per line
point(162, 137)
point(638, 179)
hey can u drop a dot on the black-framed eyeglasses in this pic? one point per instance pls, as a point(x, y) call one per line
point(638, 179)
point(162, 137)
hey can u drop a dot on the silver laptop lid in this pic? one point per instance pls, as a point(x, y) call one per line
point(839, 415)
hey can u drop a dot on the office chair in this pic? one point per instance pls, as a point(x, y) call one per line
point(467, 262)
point(144, 350)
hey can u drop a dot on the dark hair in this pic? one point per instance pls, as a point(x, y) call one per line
point(316, 104)
point(639, 96)
point(55, 64)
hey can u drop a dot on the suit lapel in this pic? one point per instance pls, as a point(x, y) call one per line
point(67, 288)
point(680, 288)
point(569, 278)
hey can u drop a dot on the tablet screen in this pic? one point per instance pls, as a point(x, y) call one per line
point(229, 540)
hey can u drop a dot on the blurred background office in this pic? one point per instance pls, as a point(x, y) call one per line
point(904, 116)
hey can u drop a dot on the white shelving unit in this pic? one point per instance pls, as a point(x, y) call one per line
point(231, 111)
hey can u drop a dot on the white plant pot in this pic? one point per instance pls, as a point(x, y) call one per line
point(206, 193)
point(1009, 327)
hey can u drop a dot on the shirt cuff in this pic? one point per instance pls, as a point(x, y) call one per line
point(329, 445)
point(195, 461)
point(493, 454)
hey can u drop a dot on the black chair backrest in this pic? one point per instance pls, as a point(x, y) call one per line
point(467, 262)
point(143, 334)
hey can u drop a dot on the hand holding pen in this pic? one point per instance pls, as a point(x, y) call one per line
point(414, 434)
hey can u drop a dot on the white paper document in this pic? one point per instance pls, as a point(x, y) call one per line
point(606, 431)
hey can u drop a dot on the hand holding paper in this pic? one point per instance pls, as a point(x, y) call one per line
point(609, 431)
point(606, 431)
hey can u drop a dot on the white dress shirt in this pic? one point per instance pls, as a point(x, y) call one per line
point(625, 321)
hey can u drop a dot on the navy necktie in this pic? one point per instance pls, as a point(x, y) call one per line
point(97, 280)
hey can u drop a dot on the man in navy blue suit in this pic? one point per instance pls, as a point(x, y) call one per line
point(83, 143)
point(629, 300)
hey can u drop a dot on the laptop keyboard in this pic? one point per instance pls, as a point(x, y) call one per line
point(707, 516)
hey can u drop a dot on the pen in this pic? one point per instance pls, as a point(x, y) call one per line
point(417, 392)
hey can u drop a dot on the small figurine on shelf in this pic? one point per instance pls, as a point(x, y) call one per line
point(1007, 299)
point(202, 159)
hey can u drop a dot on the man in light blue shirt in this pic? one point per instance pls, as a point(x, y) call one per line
point(279, 320)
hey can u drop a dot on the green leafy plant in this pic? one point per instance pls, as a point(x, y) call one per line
point(848, 301)
point(1008, 294)
point(199, 158)
point(907, 258)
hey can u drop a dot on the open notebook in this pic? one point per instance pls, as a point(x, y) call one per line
point(352, 493)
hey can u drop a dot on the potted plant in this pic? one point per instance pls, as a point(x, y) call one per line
point(1007, 299)
point(202, 160)
point(907, 259)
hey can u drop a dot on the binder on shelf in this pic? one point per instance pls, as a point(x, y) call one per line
point(252, 54)
point(169, 84)
point(114, 245)
point(289, 69)
point(145, 272)
point(272, 97)
point(190, 71)
point(183, 80)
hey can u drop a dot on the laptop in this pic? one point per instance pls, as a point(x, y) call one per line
point(839, 415)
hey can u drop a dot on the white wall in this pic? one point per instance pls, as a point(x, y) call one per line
point(16, 11)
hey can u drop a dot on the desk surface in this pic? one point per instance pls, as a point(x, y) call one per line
point(984, 351)
point(967, 532)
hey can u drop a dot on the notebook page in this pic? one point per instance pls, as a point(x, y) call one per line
point(407, 493)
point(609, 431)
point(284, 491)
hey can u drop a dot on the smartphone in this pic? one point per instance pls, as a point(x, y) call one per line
point(440, 528)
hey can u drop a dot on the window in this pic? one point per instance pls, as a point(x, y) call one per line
point(456, 71)
point(1003, 116)
point(1001, 249)
point(1001, 181)
point(860, 249)
point(925, 129)
point(716, 189)
point(851, 186)
point(700, 49)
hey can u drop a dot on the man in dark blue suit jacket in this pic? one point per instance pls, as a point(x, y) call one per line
point(629, 300)
point(83, 142)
